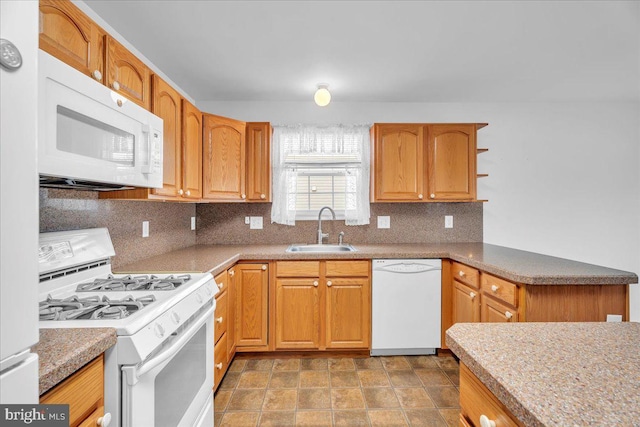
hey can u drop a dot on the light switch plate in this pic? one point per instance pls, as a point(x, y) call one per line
point(255, 223)
point(384, 222)
point(448, 221)
point(145, 228)
point(193, 222)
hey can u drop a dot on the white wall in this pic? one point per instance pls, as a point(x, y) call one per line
point(563, 179)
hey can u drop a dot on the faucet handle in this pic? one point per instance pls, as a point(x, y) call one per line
point(340, 237)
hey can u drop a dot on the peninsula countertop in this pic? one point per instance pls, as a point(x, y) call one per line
point(63, 351)
point(519, 266)
point(556, 374)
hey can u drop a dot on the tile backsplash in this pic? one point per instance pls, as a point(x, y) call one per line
point(169, 223)
point(223, 223)
point(410, 223)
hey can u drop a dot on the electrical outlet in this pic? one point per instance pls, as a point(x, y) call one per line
point(614, 318)
point(247, 220)
point(193, 222)
point(448, 221)
point(145, 228)
point(384, 222)
point(255, 223)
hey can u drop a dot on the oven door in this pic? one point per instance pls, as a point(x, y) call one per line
point(174, 387)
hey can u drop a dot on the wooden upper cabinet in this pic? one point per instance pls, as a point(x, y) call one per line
point(191, 151)
point(167, 106)
point(258, 162)
point(69, 35)
point(399, 163)
point(452, 162)
point(128, 75)
point(223, 159)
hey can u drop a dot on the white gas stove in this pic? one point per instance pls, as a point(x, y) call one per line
point(164, 324)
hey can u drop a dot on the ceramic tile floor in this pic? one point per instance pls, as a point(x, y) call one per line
point(373, 391)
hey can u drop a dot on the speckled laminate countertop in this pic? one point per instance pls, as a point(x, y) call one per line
point(516, 265)
point(556, 374)
point(63, 351)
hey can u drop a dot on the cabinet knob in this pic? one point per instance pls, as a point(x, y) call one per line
point(180, 192)
point(104, 420)
point(315, 283)
point(243, 196)
point(329, 283)
point(219, 319)
point(219, 365)
point(420, 196)
point(188, 192)
point(486, 422)
point(264, 267)
point(433, 196)
point(232, 273)
point(508, 314)
point(461, 273)
point(115, 85)
point(263, 196)
point(97, 75)
point(472, 295)
point(494, 288)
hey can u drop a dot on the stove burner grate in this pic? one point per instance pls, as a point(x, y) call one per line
point(134, 283)
point(92, 307)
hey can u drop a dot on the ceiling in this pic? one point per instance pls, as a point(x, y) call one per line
point(389, 51)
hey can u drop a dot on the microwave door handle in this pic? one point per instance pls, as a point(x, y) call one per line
point(146, 169)
point(133, 373)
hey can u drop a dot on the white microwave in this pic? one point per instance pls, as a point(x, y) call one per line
point(91, 137)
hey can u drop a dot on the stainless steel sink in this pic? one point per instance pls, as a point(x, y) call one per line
point(321, 248)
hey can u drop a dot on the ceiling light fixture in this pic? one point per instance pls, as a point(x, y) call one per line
point(322, 96)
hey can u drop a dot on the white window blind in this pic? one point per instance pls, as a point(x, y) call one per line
point(316, 166)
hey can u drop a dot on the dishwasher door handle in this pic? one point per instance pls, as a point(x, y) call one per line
point(407, 268)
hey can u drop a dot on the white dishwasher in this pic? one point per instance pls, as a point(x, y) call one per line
point(405, 318)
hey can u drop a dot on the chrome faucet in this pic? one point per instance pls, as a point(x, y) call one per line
point(321, 235)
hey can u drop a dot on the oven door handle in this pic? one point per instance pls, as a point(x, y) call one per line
point(133, 373)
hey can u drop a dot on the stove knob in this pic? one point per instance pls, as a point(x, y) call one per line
point(159, 330)
point(199, 298)
point(209, 291)
point(175, 317)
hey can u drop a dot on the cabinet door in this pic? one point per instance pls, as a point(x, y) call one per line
point(495, 312)
point(251, 282)
point(69, 35)
point(167, 106)
point(452, 162)
point(191, 151)
point(223, 159)
point(297, 319)
point(128, 75)
point(348, 316)
point(258, 162)
point(231, 313)
point(466, 303)
point(399, 172)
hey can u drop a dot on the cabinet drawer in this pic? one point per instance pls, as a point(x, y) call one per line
point(83, 391)
point(298, 269)
point(477, 400)
point(220, 360)
point(495, 312)
point(465, 274)
point(220, 317)
point(222, 281)
point(347, 268)
point(500, 289)
point(92, 420)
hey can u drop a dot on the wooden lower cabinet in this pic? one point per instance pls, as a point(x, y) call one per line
point(322, 305)
point(83, 392)
point(251, 284)
point(476, 400)
point(466, 303)
point(471, 295)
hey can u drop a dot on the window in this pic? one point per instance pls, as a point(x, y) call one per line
point(320, 166)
